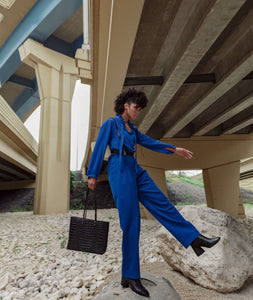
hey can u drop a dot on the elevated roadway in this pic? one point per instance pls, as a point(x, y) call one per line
point(193, 59)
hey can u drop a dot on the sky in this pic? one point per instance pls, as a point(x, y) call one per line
point(79, 124)
point(79, 127)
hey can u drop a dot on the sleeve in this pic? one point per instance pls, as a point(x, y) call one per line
point(152, 144)
point(99, 150)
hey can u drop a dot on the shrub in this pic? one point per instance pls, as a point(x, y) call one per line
point(72, 179)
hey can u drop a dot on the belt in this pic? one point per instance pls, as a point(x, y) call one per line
point(124, 152)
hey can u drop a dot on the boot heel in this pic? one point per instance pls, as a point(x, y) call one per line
point(124, 283)
point(198, 250)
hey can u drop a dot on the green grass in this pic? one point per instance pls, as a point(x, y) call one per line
point(187, 196)
point(18, 210)
point(197, 182)
point(189, 180)
point(168, 180)
point(64, 241)
point(247, 201)
point(248, 206)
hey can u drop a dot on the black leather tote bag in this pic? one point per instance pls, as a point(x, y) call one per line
point(88, 235)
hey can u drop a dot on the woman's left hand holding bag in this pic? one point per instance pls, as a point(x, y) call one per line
point(92, 182)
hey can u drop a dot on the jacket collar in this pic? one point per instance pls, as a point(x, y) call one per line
point(120, 118)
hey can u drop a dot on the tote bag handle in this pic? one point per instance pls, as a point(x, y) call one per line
point(85, 202)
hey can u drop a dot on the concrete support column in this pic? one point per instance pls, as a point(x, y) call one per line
point(56, 76)
point(158, 175)
point(222, 189)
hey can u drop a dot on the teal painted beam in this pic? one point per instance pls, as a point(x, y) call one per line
point(25, 101)
point(39, 23)
point(22, 81)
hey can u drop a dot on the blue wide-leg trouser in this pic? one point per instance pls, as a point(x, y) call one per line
point(130, 185)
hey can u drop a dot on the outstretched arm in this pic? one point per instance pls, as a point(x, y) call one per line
point(153, 144)
point(159, 146)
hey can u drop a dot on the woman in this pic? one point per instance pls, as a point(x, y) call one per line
point(130, 184)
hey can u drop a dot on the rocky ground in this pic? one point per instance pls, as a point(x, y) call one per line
point(35, 264)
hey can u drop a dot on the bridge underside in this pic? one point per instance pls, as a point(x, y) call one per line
point(194, 60)
point(18, 151)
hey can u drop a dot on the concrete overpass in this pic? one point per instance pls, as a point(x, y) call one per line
point(193, 58)
point(246, 169)
point(18, 151)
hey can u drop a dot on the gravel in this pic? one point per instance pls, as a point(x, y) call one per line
point(35, 264)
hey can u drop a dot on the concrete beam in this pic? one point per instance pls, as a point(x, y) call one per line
point(239, 70)
point(222, 189)
point(227, 114)
point(239, 126)
point(22, 81)
point(17, 145)
point(217, 15)
point(56, 76)
point(246, 165)
point(122, 34)
point(14, 172)
point(112, 42)
point(233, 62)
point(11, 152)
point(5, 176)
point(21, 184)
point(208, 152)
point(101, 16)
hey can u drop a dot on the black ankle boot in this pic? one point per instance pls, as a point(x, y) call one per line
point(202, 241)
point(135, 285)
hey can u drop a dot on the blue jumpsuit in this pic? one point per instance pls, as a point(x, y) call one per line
point(130, 184)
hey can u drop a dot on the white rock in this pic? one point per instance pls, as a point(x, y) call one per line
point(23, 284)
point(40, 296)
point(158, 287)
point(13, 245)
point(77, 283)
point(226, 266)
point(48, 272)
point(99, 277)
point(84, 293)
point(67, 291)
point(88, 284)
point(61, 293)
point(4, 280)
point(109, 269)
point(74, 291)
point(50, 269)
point(7, 296)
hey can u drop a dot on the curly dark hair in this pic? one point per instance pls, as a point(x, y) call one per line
point(130, 95)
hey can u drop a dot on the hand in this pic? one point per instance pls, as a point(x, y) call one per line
point(187, 154)
point(92, 182)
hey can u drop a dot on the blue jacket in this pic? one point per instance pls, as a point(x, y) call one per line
point(108, 136)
